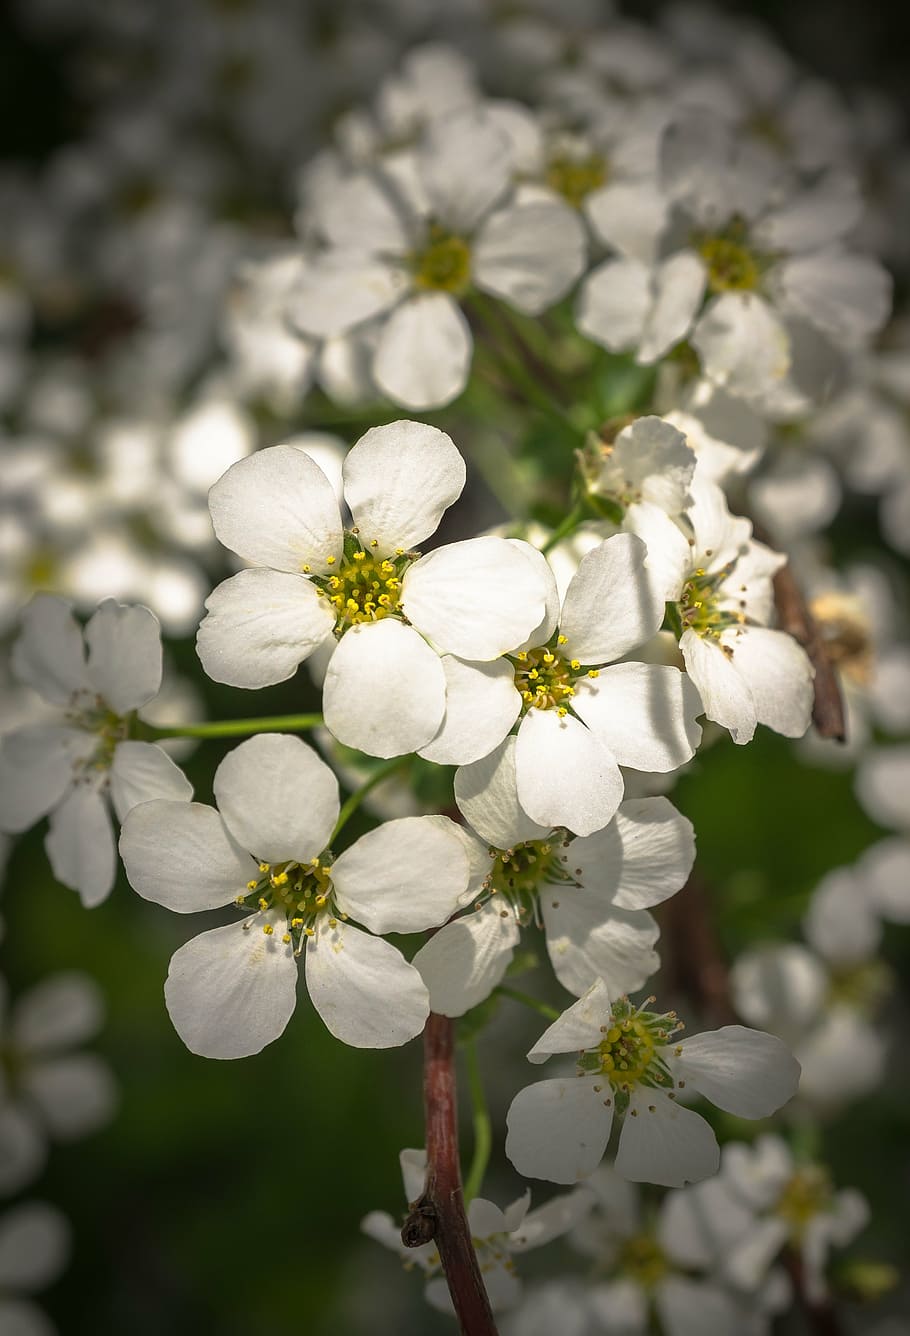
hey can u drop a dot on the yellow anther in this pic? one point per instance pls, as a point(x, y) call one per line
point(548, 656)
point(575, 664)
point(374, 542)
point(593, 672)
point(264, 867)
point(560, 640)
point(330, 561)
point(286, 938)
point(296, 922)
point(263, 904)
point(562, 711)
point(267, 929)
point(306, 570)
point(358, 556)
point(251, 886)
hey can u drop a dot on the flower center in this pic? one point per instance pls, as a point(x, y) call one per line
point(630, 1053)
point(732, 267)
point(701, 608)
point(518, 874)
point(302, 892)
point(444, 264)
point(862, 987)
point(366, 587)
point(807, 1193)
point(576, 178)
point(545, 680)
point(641, 1259)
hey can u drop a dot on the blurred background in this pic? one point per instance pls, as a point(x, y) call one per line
point(148, 148)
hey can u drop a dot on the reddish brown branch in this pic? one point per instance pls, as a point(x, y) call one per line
point(698, 966)
point(820, 1314)
point(439, 1215)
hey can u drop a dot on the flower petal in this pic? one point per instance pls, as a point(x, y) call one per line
point(384, 689)
point(640, 859)
point(180, 855)
point(398, 481)
point(487, 796)
point(63, 1010)
point(588, 939)
point(579, 1027)
point(277, 508)
point(260, 626)
point(124, 655)
point(644, 713)
point(277, 798)
point(34, 1246)
point(231, 991)
point(726, 697)
point(140, 772)
point(36, 769)
point(558, 1130)
point(423, 356)
point(49, 653)
point(465, 165)
point(76, 1095)
point(482, 704)
point(465, 960)
point(742, 344)
point(663, 1142)
point(405, 876)
point(530, 253)
point(565, 776)
point(476, 599)
point(363, 988)
point(344, 288)
point(779, 676)
point(742, 1071)
point(80, 844)
point(614, 303)
point(610, 606)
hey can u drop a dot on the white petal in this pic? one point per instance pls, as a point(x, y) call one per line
point(22, 1148)
point(398, 481)
point(21, 1318)
point(669, 555)
point(76, 1095)
point(80, 844)
point(231, 991)
point(726, 697)
point(464, 961)
point(36, 771)
point(846, 296)
point(551, 1221)
point(610, 606)
point(742, 344)
point(587, 939)
point(342, 289)
point(565, 776)
point(841, 923)
point(579, 1027)
point(778, 674)
point(476, 599)
point(60, 1011)
point(698, 1308)
point(530, 254)
point(384, 689)
point(621, 1307)
point(363, 988)
point(679, 285)
point(34, 1246)
point(482, 704)
point(643, 712)
point(614, 303)
point(124, 655)
point(886, 869)
point(487, 796)
point(558, 1130)
point(423, 357)
point(277, 508)
point(883, 786)
point(640, 859)
point(140, 772)
point(663, 1142)
point(260, 626)
point(49, 655)
point(629, 216)
point(277, 798)
point(465, 163)
point(742, 1071)
point(405, 876)
point(780, 987)
point(181, 856)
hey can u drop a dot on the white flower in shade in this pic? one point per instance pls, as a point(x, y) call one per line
point(408, 247)
point(391, 612)
point(34, 1249)
point(590, 895)
point(791, 1203)
point(75, 769)
point(752, 268)
point(649, 464)
point(670, 1265)
point(46, 1089)
point(232, 990)
point(719, 577)
point(497, 1235)
point(582, 714)
point(629, 1062)
point(883, 786)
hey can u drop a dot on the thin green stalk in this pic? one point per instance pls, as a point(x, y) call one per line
point(566, 526)
point(527, 1000)
point(234, 728)
point(353, 802)
point(513, 367)
point(483, 1132)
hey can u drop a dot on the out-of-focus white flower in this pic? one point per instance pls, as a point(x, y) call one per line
point(76, 768)
point(34, 1249)
point(628, 1061)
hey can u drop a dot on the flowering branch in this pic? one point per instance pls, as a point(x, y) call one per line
point(439, 1214)
point(232, 728)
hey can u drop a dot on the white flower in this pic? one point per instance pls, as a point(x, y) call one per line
point(232, 990)
point(496, 1234)
point(391, 613)
point(34, 1248)
point(48, 1090)
point(590, 894)
point(406, 248)
point(628, 1060)
point(75, 769)
point(583, 715)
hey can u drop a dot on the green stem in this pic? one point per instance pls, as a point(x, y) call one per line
point(527, 1000)
point(234, 728)
point(566, 526)
point(483, 1134)
point(353, 802)
point(512, 365)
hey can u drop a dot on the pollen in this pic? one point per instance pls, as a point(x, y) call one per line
point(444, 263)
point(545, 680)
point(365, 587)
point(731, 265)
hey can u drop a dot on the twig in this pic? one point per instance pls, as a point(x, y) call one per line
point(820, 1314)
point(699, 968)
point(439, 1214)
